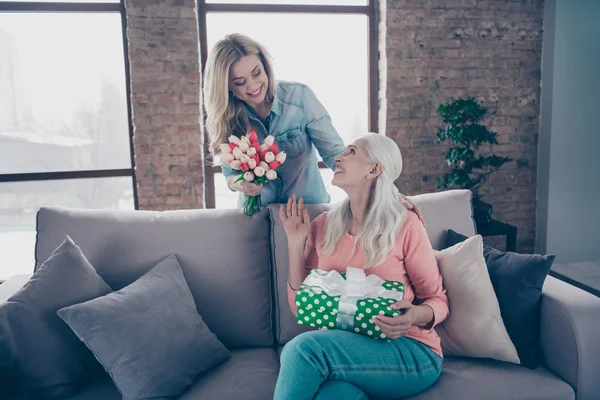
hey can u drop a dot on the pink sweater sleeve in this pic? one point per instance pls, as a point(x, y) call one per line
point(423, 271)
point(311, 261)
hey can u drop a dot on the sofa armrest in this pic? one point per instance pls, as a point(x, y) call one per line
point(12, 285)
point(570, 336)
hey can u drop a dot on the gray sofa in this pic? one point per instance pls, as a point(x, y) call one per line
point(244, 301)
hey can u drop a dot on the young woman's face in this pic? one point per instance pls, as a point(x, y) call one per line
point(352, 167)
point(248, 80)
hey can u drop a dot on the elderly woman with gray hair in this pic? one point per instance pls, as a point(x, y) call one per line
point(373, 230)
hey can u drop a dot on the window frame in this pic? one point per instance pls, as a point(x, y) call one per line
point(370, 10)
point(88, 8)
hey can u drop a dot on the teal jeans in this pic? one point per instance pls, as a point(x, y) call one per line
point(331, 365)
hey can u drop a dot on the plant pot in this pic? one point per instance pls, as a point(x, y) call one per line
point(482, 212)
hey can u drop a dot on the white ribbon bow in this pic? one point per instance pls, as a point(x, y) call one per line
point(356, 286)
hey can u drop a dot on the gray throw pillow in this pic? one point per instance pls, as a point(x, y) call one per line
point(148, 336)
point(37, 349)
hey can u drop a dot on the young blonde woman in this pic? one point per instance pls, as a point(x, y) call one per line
point(241, 93)
point(373, 230)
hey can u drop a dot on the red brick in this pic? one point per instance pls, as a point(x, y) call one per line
point(487, 49)
point(165, 86)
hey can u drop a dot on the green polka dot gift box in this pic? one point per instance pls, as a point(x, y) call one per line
point(331, 300)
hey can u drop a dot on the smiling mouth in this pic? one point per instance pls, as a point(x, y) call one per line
point(256, 93)
point(338, 170)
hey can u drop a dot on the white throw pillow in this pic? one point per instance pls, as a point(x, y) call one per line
point(474, 327)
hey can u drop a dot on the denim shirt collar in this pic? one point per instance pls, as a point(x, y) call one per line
point(276, 108)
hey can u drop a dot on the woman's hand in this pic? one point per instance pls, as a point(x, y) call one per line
point(411, 206)
point(296, 221)
point(248, 188)
point(396, 327)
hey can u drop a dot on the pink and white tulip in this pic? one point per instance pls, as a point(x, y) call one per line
point(248, 176)
point(269, 140)
point(236, 164)
point(252, 163)
point(244, 159)
point(237, 153)
point(269, 157)
point(244, 145)
point(227, 158)
point(225, 148)
point(234, 139)
point(271, 174)
point(281, 157)
point(259, 171)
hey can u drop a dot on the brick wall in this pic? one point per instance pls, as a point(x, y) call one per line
point(433, 50)
point(165, 89)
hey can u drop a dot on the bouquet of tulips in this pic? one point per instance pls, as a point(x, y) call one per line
point(255, 162)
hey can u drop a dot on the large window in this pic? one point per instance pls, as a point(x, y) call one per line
point(64, 122)
point(328, 45)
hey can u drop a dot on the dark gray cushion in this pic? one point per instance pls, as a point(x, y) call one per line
point(148, 335)
point(484, 379)
point(517, 281)
point(37, 349)
point(212, 246)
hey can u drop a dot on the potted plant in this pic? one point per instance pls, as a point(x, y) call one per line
point(469, 166)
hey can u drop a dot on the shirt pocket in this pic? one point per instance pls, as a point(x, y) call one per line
point(292, 141)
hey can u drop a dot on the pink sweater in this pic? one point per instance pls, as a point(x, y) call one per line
point(411, 262)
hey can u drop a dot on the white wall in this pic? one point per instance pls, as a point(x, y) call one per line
point(568, 222)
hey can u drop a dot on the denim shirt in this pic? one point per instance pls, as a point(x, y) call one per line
point(301, 127)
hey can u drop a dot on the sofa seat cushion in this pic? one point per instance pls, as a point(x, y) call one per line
point(252, 373)
point(484, 379)
point(249, 374)
point(100, 388)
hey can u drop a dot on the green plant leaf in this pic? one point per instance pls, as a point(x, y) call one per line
point(462, 119)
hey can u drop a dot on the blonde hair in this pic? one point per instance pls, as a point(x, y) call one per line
point(225, 113)
point(385, 212)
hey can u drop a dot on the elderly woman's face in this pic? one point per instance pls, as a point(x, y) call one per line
point(248, 80)
point(352, 167)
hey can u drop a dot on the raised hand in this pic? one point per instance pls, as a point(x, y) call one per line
point(296, 221)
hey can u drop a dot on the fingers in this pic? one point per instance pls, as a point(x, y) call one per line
point(282, 213)
point(250, 189)
point(301, 207)
point(289, 207)
point(306, 217)
point(402, 305)
point(391, 321)
point(418, 211)
point(393, 327)
point(412, 206)
point(294, 206)
point(405, 202)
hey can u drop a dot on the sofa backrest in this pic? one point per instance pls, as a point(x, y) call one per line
point(223, 254)
point(441, 211)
